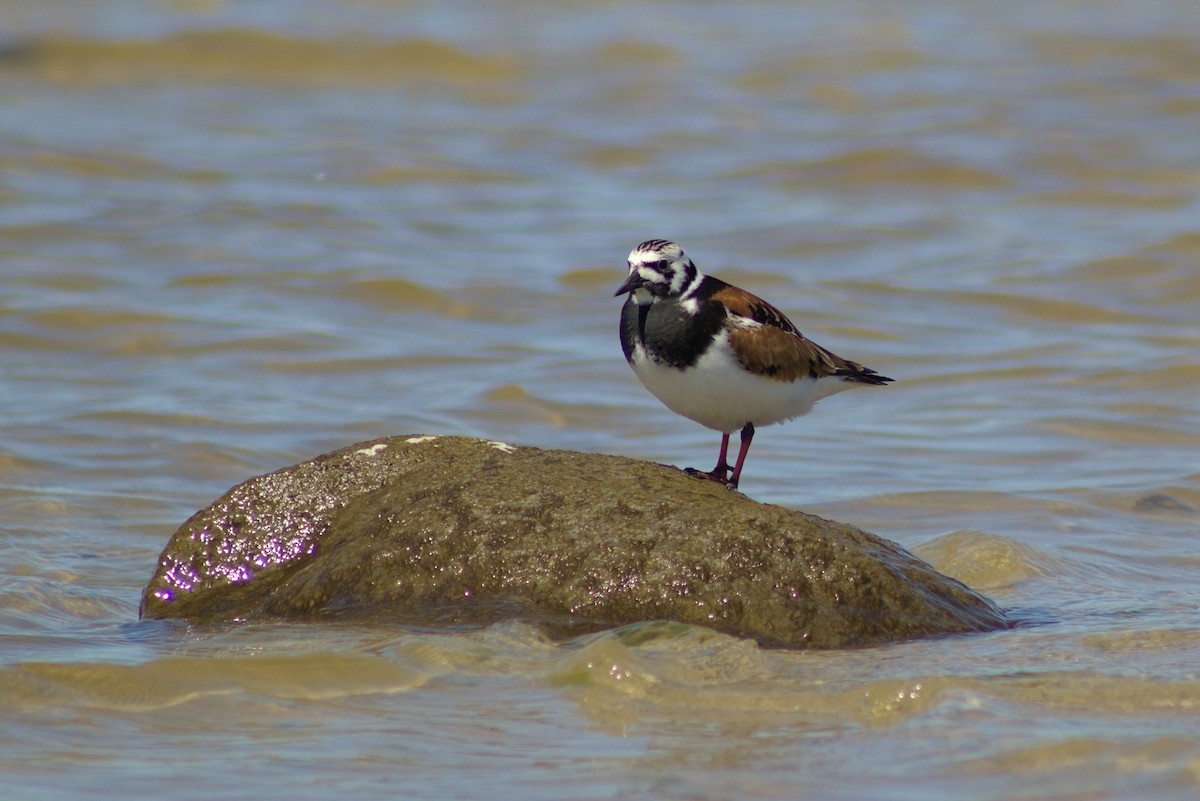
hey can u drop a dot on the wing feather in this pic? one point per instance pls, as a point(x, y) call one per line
point(767, 343)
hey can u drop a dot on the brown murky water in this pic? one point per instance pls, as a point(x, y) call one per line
point(233, 236)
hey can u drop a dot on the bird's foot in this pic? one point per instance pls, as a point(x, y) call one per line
point(717, 474)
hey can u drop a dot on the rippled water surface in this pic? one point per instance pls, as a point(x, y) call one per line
point(234, 236)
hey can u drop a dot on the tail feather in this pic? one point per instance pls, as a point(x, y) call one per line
point(858, 374)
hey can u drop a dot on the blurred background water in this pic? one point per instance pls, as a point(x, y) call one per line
point(236, 235)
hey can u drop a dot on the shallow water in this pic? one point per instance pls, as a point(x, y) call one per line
point(233, 236)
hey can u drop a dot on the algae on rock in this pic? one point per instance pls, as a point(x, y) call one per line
point(453, 530)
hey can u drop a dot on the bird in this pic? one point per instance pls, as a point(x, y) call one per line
point(719, 355)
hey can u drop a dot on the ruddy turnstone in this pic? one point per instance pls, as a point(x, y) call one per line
point(719, 355)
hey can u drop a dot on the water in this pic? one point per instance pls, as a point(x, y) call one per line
point(234, 236)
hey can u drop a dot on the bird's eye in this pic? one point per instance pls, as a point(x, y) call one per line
point(663, 265)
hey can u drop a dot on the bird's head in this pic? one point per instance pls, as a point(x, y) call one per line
point(658, 269)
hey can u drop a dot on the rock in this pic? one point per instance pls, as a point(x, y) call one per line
point(1161, 502)
point(459, 531)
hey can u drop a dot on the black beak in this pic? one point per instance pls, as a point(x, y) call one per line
point(631, 283)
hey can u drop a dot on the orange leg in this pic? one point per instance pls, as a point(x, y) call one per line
point(747, 435)
point(720, 472)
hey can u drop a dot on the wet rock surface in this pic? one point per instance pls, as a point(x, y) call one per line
point(458, 531)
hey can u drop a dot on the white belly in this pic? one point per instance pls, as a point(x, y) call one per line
point(719, 393)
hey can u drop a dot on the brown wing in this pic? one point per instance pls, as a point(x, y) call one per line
point(775, 348)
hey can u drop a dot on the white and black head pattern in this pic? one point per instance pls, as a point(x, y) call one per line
point(658, 268)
